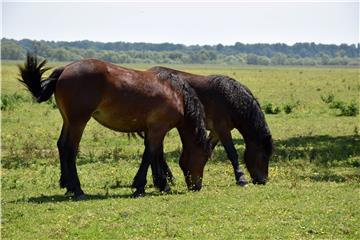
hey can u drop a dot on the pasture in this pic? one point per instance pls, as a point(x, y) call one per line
point(313, 192)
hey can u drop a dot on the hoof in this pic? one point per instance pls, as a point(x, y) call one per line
point(242, 182)
point(257, 182)
point(138, 194)
point(194, 188)
point(166, 189)
point(79, 197)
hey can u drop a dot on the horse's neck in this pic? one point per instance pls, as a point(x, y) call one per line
point(251, 134)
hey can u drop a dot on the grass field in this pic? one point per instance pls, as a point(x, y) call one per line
point(313, 192)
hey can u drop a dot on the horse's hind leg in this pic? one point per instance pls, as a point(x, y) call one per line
point(226, 140)
point(64, 173)
point(68, 147)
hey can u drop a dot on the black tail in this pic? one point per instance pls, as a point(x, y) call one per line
point(31, 77)
point(193, 108)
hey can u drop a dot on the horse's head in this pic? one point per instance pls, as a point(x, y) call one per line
point(256, 157)
point(192, 163)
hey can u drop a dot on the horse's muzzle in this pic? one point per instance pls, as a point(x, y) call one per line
point(194, 184)
point(195, 187)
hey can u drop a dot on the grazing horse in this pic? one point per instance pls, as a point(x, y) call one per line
point(228, 104)
point(123, 100)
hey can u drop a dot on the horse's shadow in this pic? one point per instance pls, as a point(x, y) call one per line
point(62, 198)
point(320, 149)
point(57, 198)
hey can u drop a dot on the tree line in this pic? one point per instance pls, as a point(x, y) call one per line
point(168, 53)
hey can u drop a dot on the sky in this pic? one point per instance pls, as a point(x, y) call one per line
point(186, 23)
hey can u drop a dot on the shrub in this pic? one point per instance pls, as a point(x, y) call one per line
point(337, 105)
point(269, 108)
point(351, 109)
point(346, 109)
point(288, 108)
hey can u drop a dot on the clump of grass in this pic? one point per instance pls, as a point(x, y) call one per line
point(269, 108)
point(289, 107)
point(351, 109)
point(346, 109)
point(329, 98)
point(9, 101)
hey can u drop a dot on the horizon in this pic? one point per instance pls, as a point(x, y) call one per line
point(187, 45)
point(184, 23)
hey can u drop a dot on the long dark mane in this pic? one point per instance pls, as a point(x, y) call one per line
point(194, 111)
point(246, 109)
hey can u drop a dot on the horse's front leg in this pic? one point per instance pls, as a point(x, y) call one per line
point(165, 167)
point(160, 171)
point(227, 142)
point(153, 154)
point(212, 141)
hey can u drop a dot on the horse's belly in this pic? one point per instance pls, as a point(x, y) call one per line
point(120, 123)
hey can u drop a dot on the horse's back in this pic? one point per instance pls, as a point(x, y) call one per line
point(119, 98)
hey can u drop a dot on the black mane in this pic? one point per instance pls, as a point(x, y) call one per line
point(246, 108)
point(194, 110)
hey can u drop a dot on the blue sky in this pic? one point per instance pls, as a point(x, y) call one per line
point(187, 23)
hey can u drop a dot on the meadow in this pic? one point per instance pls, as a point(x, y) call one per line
point(313, 192)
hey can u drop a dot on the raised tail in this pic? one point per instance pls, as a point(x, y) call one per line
point(31, 77)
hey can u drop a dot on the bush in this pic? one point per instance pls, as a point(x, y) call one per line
point(346, 109)
point(288, 108)
point(269, 108)
point(351, 109)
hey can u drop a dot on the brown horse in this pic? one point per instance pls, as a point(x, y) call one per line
point(228, 105)
point(123, 100)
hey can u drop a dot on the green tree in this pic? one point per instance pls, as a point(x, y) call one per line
point(252, 59)
point(10, 50)
point(279, 59)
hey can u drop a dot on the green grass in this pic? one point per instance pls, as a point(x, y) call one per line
point(314, 189)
